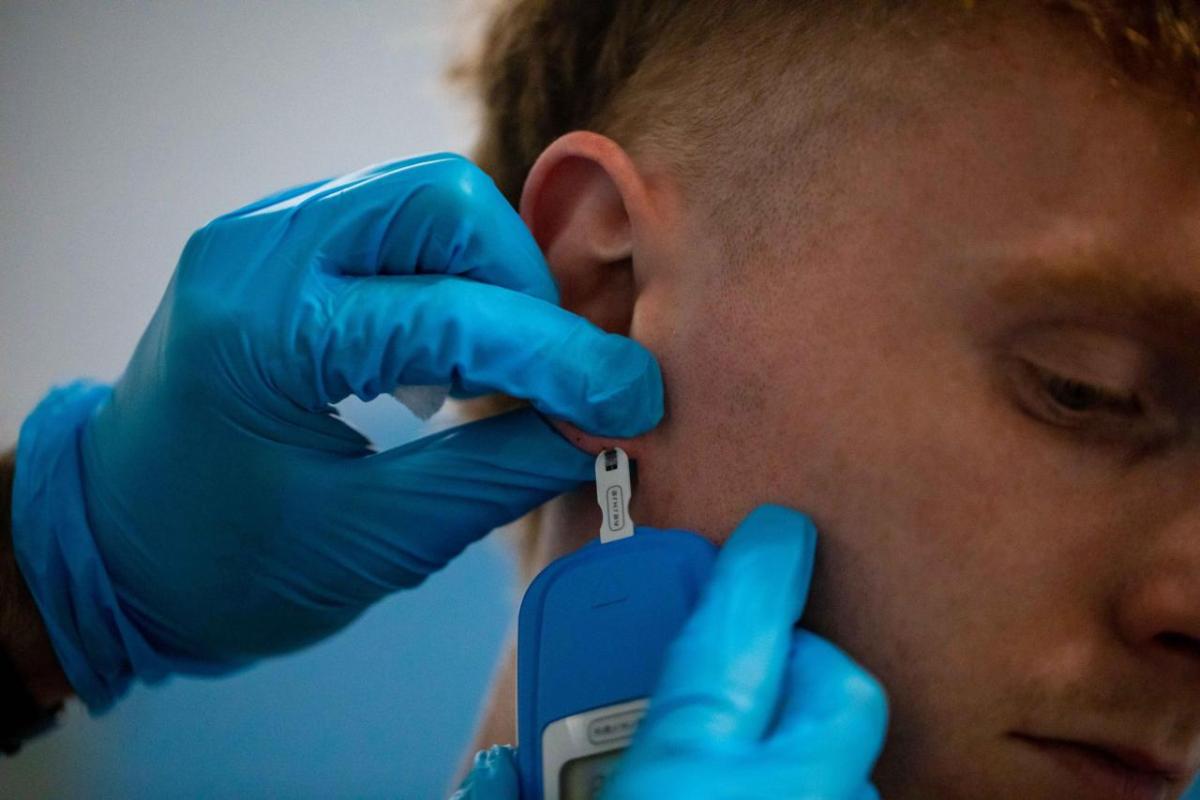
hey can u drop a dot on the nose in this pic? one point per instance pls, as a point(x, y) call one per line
point(1159, 613)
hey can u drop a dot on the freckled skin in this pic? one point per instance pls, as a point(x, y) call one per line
point(997, 573)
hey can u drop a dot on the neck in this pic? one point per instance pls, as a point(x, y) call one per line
point(564, 524)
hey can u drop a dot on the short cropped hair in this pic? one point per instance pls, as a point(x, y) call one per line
point(678, 71)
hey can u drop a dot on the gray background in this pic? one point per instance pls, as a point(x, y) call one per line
point(123, 127)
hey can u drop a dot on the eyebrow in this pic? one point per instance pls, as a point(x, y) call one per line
point(1164, 308)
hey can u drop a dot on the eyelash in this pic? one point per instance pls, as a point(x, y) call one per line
point(1091, 411)
point(1069, 394)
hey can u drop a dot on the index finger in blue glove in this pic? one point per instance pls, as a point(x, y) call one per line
point(725, 673)
point(431, 214)
point(381, 333)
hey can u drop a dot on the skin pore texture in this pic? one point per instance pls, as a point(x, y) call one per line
point(973, 359)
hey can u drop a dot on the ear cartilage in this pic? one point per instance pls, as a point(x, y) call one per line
point(613, 493)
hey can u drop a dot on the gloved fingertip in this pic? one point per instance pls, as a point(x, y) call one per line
point(626, 397)
point(771, 522)
point(493, 776)
point(826, 685)
point(774, 547)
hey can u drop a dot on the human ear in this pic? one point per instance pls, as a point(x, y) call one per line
point(578, 201)
point(587, 204)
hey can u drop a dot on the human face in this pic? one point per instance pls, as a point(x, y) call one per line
point(976, 363)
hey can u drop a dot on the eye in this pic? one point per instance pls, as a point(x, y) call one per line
point(1094, 389)
point(1084, 408)
point(1079, 397)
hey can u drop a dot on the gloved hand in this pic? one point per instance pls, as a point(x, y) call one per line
point(211, 508)
point(748, 706)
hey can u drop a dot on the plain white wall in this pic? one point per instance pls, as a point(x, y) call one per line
point(125, 126)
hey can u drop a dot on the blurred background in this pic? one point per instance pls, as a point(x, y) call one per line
point(123, 127)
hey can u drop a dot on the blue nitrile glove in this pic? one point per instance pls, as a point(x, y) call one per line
point(748, 705)
point(493, 776)
point(211, 509)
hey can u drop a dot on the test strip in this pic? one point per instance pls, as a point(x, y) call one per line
point(613, 493)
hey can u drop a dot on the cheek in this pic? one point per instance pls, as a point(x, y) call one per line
point(951, 541)
point(703, 468)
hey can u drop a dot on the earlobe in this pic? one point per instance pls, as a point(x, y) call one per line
point(590, 443)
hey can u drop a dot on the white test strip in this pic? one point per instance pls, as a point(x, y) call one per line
point(613, 494)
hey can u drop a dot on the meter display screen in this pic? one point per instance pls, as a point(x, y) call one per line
point(583, 778)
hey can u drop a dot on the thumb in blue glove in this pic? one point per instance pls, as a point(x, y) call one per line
point(748, 706)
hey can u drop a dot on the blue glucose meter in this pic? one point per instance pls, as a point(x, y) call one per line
point(593, 633)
